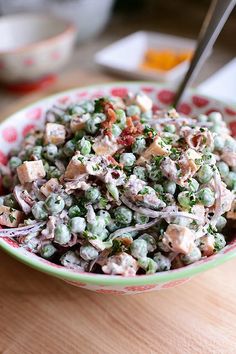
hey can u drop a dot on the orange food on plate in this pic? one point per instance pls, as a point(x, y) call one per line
point(164, 60)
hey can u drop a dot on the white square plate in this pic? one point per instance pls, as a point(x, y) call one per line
point(126, 55)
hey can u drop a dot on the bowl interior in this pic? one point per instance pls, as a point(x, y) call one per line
point(18, 125)
point(21, 30)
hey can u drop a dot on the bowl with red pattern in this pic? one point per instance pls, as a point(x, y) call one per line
point(33, 47)
point(13, 130)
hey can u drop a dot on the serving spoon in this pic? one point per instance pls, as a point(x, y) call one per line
point(213, 23)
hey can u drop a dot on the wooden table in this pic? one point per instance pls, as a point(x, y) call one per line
point(41, 314)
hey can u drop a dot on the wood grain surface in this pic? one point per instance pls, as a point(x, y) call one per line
point(43, 315)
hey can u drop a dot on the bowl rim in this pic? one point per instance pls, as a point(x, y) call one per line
point(69, 29)
point(61, 272)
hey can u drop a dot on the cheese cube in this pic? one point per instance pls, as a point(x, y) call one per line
point(30, 171)
point(105, 146)
point(157, 148)
point(179, 238)
point(207, 245)
point(10, 217)
point(54, 134)
point(50, 186)
point(231, 214)
point(78, 123)
point(75, 168)
point(144, 102)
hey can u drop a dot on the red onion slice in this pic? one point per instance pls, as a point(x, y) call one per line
point(21, 231)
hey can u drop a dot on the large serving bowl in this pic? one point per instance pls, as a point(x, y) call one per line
point(13, 130)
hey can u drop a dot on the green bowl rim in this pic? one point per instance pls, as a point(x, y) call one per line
point(103, 279)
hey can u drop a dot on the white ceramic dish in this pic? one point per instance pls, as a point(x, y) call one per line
point(125, 55)
point(33, 45)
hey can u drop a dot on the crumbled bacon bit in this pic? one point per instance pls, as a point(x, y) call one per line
point(107, 124)
point(133, 129)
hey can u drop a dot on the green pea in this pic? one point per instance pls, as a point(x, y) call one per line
point(170, 128)
point(116, 130)
point(113, 226)
point(7, 181)
point(184, 199)
point(14, 162)
point(39, 211)
point(223, 168)
point(230, 180)
point(193, 185)
point(140, 172)
point(62, 234)
point(182, 221)
point(209, 158)
point(71, 259)
point(230, 144)
point(105, 215)
point(148, 264)
point(146, 116)
point(151, 242)
point(205, 174)
point(127, 159)
point(54, 203)
point(140, 218)
point(98, 228)
point(113, 190)
point(102, 203)
point(202, 118)
point(75, 211)
point(219, 242)
point(221, 222)
point(219, 143)
point(169, 187)
point(75, 109)
point(69, 148)
point(50, 152)
point(88, 106)
point(77, 224)
point(154, 173)
point(206, 197)
point(158, 188)
point(79, 135)
point(163, 263)
point(215, 117)
point(139, 146)
point(216, 128)
point(120, 118)
point(92, 125)
point(47, 251)
point(138, 248)
point(192, 257)
point(84, 146)
point(133, 111)
point(92, 194)
point(65, 118)
point(123, 215)
point(88, 253)
point(10, 201)
point(37, 151)
point(53, 172)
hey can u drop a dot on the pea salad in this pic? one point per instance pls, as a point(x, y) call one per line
point(108, 186)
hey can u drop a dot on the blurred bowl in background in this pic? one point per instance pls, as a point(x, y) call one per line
point(33, 46)
point(89, 16)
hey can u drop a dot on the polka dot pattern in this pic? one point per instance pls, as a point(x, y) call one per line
point(9, 134)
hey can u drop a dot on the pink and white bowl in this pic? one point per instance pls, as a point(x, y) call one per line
point(13, 130)
point(33, 46)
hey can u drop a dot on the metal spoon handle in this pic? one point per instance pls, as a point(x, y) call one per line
point(214, 21)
